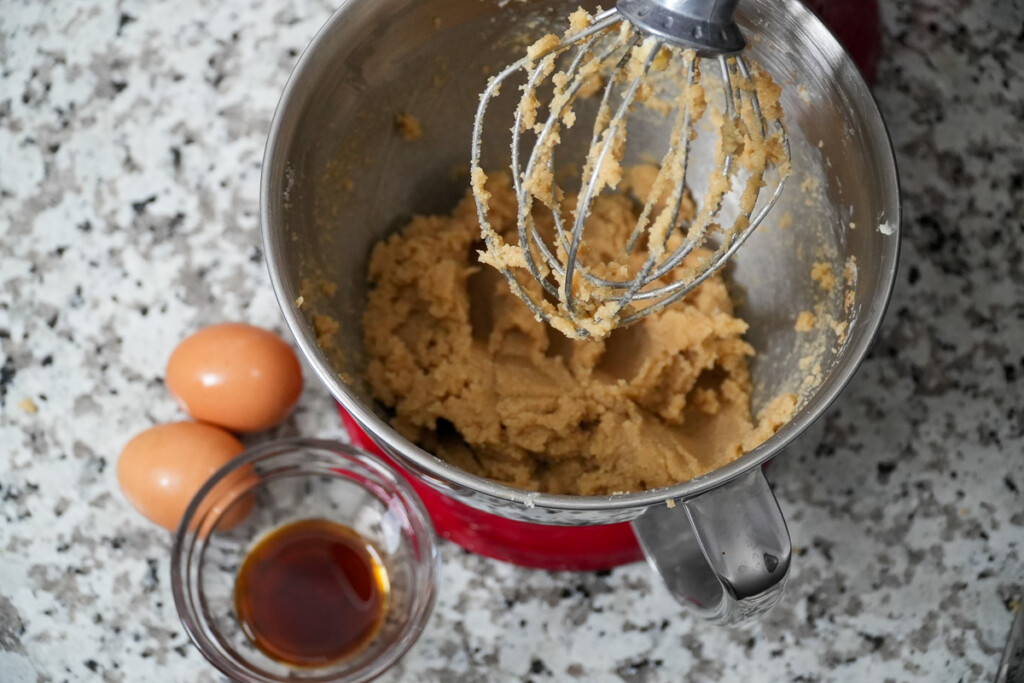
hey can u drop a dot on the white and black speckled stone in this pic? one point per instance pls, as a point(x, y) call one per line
point(130, 145)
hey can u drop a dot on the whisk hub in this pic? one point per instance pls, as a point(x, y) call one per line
point(708, 27)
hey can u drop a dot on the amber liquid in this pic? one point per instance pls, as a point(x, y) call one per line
point(311, 593)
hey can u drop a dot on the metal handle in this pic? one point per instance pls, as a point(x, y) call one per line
point(725, 554)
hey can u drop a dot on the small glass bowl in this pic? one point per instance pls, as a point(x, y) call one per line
point(283, 482)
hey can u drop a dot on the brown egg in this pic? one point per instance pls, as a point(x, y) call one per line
point(236, 376)
point(161, 469)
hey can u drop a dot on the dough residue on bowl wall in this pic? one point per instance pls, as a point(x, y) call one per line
point(408, 126)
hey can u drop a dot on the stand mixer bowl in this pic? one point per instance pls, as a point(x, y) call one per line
point(337, 179)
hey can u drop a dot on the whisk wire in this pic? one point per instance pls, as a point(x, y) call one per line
point(600, 123)
point(681, 129)
point(557, 266)
point(550, 127)
point(524, 218)
point(584, 205)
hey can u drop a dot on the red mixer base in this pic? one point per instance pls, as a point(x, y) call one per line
point(858, 26)
point(557, 548)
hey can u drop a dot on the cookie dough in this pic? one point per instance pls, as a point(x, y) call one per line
point(738, 121)
point(474, 378)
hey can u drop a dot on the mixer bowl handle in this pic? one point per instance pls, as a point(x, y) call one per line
point(724, 554)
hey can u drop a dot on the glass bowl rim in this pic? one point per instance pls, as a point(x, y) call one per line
point(187, 537)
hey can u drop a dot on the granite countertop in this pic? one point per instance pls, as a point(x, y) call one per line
point(131, 136)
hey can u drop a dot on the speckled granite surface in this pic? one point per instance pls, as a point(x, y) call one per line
point(130, 145)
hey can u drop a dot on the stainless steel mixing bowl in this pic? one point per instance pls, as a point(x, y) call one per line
point(337, 178)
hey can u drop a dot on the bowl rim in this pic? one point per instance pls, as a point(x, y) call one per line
point(422, 461)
